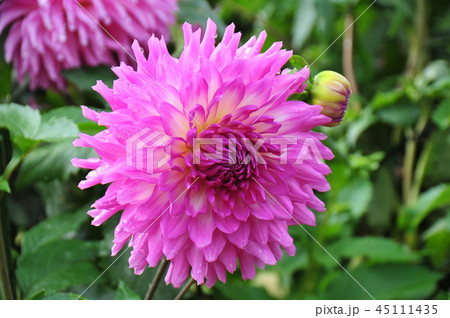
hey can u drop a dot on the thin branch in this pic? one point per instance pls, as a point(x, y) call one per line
point(185, 289)
point(159, 274)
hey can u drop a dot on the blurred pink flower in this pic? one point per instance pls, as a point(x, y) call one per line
point(48, 36)
point(204, 209)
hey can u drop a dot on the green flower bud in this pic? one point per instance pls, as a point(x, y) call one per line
point(331, 90)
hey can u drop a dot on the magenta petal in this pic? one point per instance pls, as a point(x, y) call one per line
point(201, 229)
point(213, 250)
point(198, 263)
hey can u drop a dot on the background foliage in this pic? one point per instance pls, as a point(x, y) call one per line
point(388, 213)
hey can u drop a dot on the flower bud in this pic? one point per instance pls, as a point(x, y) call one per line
point(331, 90)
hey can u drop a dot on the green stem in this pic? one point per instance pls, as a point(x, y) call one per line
point(6, 283)
point(5, 278)
point(420, 171)
point(408, 165)
point(417, 38)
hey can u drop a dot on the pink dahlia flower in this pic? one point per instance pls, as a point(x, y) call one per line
point(48, 36)
point(205, 156)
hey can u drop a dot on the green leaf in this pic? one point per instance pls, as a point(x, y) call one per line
point(383, 99)
point(441, 116)
point(401, 114)
point(384, 200)
point(298, 61)
point(376, 249)
point(304, 20)
point(64, 277)
point(433, 198)
point(86, 77)
point(63, 296)
point(241, 291)
point(437, 239)
point(388, 281)
point(56, 129)
point(357, 195)
point(4, 185)
point(48, 162)
point(57, 265)
point(124, 292)
point(197, 12)
point(52, 229)
point(21, 120)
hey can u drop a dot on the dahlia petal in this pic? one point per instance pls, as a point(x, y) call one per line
point(240, 236)
point(178, 271)
point(198, 263)
point(237, 202)
point(247, 265)
point(201, 229)
point(261, 251)
point(196, 202)
point(228, 257)
point(172, 226)
point(174, 246)
point(226, 224)
point(213, 250)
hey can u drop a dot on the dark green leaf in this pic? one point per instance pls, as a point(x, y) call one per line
point(64, 277)
point(55, 265)
point(63, 296)
point(51, 161)
point(124, 292)
point(401, 114)
point(376, 249)
point(86, 77)
point(52, 229)
point(434, 198)
point(388, 281)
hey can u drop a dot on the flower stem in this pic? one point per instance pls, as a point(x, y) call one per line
point(5, 278)
point(408, 165)
point(185, 289)
point(159, 274)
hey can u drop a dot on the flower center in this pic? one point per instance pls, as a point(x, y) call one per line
point(228, 158)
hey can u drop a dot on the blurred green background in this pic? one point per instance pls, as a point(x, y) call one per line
point(388, 213)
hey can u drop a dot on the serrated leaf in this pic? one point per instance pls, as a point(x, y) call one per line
point(376, 249)
point(124, 292)
point(64, 277)
point(20, 120)
point(388, 281)
point(48, 162)
point(57, 129)
point(52, 229)
point(52, 260)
